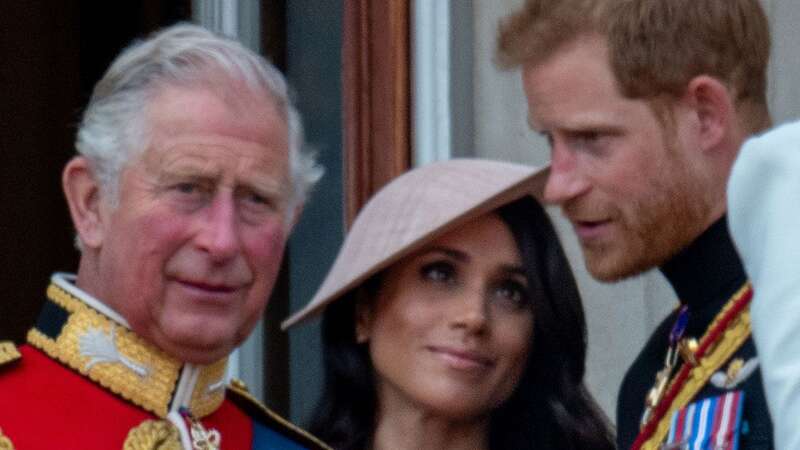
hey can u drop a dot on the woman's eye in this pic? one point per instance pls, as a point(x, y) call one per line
point(513, 293)
point(439, 272)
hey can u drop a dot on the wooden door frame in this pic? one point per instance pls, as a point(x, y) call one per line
point(376, 97)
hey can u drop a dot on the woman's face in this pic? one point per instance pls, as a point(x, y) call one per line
point(450, 328)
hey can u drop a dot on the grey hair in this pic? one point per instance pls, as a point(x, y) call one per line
point(114, 127)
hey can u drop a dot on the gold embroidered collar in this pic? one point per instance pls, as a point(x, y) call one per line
point(86, 335)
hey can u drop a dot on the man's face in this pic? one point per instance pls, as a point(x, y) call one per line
point(190, 254)
point(627, 184)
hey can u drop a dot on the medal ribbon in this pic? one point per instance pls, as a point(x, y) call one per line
point(735, 306)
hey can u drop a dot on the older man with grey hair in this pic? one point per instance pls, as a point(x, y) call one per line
point(189, 176)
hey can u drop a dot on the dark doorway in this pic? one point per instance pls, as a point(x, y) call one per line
point(52, 53)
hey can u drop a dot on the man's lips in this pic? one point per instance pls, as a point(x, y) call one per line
point(212, 288)
point(462, 359)
point(590, 229)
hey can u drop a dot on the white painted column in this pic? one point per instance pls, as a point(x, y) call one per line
point(431, 80)
point(441, 79)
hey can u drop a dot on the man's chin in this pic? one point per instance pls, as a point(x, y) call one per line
point(198, 355)
point(204, 358)
point(195, 348)
point(606, 267)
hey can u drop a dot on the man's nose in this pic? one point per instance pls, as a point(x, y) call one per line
point(565, 180)
point(219, 230)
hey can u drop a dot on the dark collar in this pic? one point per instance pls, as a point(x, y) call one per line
point(708, 272)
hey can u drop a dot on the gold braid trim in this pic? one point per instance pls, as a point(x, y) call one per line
point(153, 435)
point(732, 338)
point(5, 442)
point(152, 391)
point(240, 389)
point(205, 401)
point(8, 353)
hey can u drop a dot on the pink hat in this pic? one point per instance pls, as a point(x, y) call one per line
point(414, 209)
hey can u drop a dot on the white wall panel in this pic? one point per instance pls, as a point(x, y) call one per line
point(784, 80)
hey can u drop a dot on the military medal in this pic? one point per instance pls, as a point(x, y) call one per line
point(202, 438)
point(656, 393)
point(727, 332)
point(687, 348)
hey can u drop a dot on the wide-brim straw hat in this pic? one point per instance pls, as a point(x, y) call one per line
point(414, 209)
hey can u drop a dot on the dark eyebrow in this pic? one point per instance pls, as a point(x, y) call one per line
point(514, 270)
point(463, 257)
point(590, 128)
point(451, 252)
point(174, 176)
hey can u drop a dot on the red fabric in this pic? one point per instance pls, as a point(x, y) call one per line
point(44, 405)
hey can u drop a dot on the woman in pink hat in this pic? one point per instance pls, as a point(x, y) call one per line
point(452, 320)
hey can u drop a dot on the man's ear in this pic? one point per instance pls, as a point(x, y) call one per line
point(363, 322)
point(83, 197)
point(714, 107)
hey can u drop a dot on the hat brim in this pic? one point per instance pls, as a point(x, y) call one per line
point(492, 183)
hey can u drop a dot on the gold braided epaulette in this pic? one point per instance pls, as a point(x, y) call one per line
point(5, 442)
point(153, 435)
point(8, 353)
point(251, 405)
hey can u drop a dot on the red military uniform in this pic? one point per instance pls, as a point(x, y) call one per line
point(86, 381)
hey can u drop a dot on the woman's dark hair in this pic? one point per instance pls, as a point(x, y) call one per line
point(550, 408)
